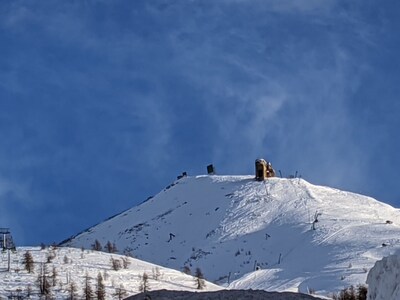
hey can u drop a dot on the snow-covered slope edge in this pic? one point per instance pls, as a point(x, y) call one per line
point(383, 279)
point(72, 265)
point(231, 225)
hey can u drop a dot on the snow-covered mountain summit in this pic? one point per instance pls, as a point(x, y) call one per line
point(277, 234)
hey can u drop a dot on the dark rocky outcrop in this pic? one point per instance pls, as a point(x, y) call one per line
point(220, 295)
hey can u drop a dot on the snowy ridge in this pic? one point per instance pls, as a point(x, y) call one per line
point(231, 225)
point(383, 279)
point(72, 265)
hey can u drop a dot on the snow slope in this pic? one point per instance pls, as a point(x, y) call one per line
point(73, 264)
point(383, 279)
point(231, 225)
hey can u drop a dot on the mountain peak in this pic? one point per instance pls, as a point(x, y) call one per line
point(274, 234)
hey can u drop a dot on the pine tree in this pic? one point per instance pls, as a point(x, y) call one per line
point(120, 292)
point(362, 292)
point(87, 289)
point(43, 280)
point(200, 282)
point(97, 246)
point(72, 291)
point(351, 293)
point(115, 264)
point(114, 248)
point(54, 275)
point(100, 288)
point(187, 270)
point(28, 262)
point(144, 284)
point(126, 262)
point(109, 247)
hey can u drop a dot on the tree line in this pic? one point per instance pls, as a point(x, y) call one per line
point(48, 282)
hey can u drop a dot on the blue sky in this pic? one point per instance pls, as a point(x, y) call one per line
point(104, 103)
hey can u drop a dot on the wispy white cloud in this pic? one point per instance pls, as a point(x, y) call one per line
point(292, 103)
point(115, 89)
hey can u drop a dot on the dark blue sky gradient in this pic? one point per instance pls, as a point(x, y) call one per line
point(104, 103)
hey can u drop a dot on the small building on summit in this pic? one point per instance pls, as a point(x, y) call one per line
point(263, 169)
point(210, 169)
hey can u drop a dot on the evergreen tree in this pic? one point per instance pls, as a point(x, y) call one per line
point(97, 246)
point(100, 288)
point(28, 262)
point(87, 289)
point(126, 262)
point(120, 292)
point(43, 280)
point(114, 248)
point(72, 291)
point(54, 275)
point(109, 247)
point(144, 284)
point(351, 293)
point(187, 270)
point(115, 264)
point(362, 292)
point(200, 282)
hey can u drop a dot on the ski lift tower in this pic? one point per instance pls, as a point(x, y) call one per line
point(6, 243)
